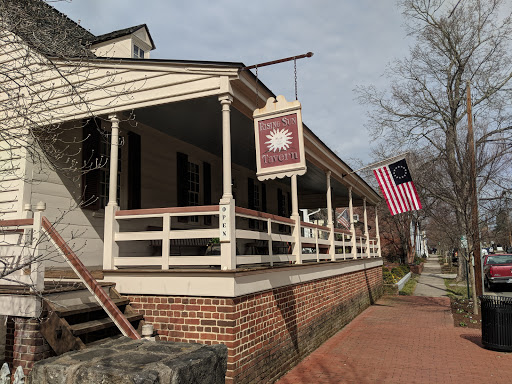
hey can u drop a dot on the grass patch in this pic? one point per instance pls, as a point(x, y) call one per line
point(410, 286)
point(456, 290)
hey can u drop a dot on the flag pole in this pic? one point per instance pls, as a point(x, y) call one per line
point(381, 162)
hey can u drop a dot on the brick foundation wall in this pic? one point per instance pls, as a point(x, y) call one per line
point(24, 344)
point(269, 332)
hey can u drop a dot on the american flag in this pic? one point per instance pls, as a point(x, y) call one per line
point(397, 187)
point(343, 220)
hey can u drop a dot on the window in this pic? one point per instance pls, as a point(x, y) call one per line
point(257, 197)
point(193, 187)
point(96, 153)
point(138, 53)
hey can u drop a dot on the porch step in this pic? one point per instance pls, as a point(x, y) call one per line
point(87, 307)
point(77, 319)
point(96, 325)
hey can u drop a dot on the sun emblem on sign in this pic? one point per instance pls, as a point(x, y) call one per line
point(279, 140)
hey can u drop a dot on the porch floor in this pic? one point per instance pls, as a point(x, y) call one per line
point(50, 287)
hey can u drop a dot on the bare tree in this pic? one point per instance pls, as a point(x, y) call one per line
point(424, 109)
point(45, 72)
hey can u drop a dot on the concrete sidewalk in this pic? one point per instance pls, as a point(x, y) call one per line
point(404, 339)
point(431, 281)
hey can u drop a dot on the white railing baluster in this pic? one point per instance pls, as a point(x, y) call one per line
point(19, 376)
point(343, 247)
point(166, 240)
point(37, 268)
point(317, 249)
point(5, 374)
point(269, 232)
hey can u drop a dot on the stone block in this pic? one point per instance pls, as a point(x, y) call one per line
point(135, 361)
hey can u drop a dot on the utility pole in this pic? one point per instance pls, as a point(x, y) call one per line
point(474, 202)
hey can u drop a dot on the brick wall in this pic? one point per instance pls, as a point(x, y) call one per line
point(24, 344)
point(269, 332)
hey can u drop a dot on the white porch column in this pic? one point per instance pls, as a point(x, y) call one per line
point(366, 234)
point(377, 232)
point(114, 157)
point(297, 248)
point(332, 248)
point(37, 267)
point(352, 227)
point(227, 203)
point(225, 101)
point(110, 247)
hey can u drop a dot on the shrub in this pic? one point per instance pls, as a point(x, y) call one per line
point(398, 272)
point(392, 275)
point(387, 276)
point(418, 260)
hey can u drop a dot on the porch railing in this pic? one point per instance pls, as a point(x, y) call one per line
point(26, 269)
point(261, 239)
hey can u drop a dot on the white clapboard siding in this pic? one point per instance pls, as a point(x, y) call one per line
point(103, 85)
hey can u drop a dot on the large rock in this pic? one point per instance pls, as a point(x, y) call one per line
point(125, 361)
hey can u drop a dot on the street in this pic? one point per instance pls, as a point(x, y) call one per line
point(500, 290)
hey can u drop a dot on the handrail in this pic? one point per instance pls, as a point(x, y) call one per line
point(263, 215)
point(312, 225)
point(16, 222)
point(345, 231)
point(85, 276)
point(157, 211)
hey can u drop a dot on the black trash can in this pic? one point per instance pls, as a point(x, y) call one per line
point(497, 322)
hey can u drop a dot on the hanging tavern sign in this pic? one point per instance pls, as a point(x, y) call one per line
point(279, 139)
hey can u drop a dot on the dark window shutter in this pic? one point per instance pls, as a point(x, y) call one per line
point(90, 160)
point(250, 201)
point(207, 183)
point(280, 202)
point(288, 195)
point(250, 193)
point(263, 197)
point(134, 170)
point(182, 181)
point(207, 189)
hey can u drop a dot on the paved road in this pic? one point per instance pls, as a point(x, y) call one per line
point(500, 290)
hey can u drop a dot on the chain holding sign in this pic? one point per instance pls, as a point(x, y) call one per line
point(279, 139)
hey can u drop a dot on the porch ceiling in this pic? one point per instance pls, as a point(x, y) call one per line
point(199, 122)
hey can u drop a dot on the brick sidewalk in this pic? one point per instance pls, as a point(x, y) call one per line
point(404, 339)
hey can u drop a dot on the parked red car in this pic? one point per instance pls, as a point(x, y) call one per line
point(497, 269)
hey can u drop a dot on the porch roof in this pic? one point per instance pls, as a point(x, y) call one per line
point(180, 117)
point(174, 90)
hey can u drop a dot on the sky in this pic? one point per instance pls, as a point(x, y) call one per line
point(352, 40)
